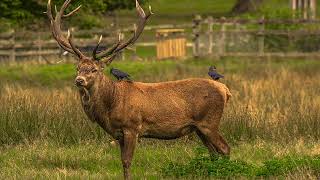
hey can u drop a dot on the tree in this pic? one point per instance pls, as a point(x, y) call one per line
point(243, 6)
point(16, 10)
point(25, 12)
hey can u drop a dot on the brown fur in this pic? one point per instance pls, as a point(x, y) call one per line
point(126, 110)
point(166, 110)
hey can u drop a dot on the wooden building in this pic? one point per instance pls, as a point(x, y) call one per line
point(305, 9)
point(171, 43)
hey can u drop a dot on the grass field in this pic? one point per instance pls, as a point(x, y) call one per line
point(182, 11)
point(272, 124)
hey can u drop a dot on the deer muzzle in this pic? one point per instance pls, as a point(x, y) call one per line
point(80, 81)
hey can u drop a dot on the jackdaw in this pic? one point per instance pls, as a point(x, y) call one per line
point(213, 73)
point(119, 74)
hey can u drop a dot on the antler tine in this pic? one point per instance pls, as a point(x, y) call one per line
point(72, 12)
point(137, 29)
point(94, 53)
point(109, 51)
point(55, 9)
point(62, 44)
point(56, 30)
point(60, 13)
point(49, 11)
point(143, 17)
point(65, 43)
point(74, 48)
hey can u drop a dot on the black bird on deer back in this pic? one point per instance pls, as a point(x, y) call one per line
point(214, 74)
point(119, 74)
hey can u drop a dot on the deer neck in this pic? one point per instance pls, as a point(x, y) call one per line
point(101, 93)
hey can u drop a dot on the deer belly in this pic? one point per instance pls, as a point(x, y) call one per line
point(168, 130)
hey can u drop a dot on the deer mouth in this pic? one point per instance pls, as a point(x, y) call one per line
point(80, 82)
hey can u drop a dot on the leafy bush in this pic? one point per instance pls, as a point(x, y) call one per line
point(218, 166)
point(205, 165)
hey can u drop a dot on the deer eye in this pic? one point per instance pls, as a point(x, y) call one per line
point(94, 70)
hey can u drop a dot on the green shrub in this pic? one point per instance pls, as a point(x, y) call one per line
point(218, 166)
point(205, 165)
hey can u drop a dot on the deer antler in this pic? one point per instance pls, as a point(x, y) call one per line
point(108, 55)
point(55, 23)
point(107, 52)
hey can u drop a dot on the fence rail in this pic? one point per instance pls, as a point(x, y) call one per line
point(207, 37)
point(262, 37)
point(16, 45)
point(262, 20)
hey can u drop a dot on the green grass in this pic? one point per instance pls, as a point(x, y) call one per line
point(87, 159)
point(203, 165)
point(182, 11)
point(271, 123)
point(151, 71)
point(153, 160)
point(189, 7)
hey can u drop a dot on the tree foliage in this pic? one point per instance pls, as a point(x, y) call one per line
point(22, 12)
point(15, 10)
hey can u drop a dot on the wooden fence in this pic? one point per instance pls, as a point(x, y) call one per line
point(14, 46)
point(257, 38)
point(206, 36)
point(18, 45)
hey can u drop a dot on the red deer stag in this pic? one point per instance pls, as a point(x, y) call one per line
point(126, 111)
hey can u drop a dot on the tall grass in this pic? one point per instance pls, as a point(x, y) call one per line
point(271, 123)
point(282, 106)
point(29, 114)
point(276, 104)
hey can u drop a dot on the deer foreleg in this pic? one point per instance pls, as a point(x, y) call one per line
point(127, 145)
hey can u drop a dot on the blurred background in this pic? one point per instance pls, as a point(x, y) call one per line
point(178, 29)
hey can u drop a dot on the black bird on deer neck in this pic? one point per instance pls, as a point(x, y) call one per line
point(119, 74)
point(214, 74)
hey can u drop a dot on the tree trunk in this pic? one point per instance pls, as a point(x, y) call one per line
point(243, 6)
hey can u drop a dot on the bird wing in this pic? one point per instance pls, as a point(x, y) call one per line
point(210, 74)
point(220, 76)
point(120, 73)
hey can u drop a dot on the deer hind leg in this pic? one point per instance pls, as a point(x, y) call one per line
point(206, 142)
point(214, 141)
point(127, 146)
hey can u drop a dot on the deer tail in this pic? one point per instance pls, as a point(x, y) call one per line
point(228, 94)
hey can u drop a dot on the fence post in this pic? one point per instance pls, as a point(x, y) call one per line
point(122, 36)
point(299, 8)
point(39, 47)
point(222, 40)
point(305, 9)
point(13, 48)
point(210, 34)
point(261, 36)
point(294, 8)
point(196, 35)
point(294, 5)
point(237, 35)
point(313, 9)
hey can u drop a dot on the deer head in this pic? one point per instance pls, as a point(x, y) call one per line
point(89, 68)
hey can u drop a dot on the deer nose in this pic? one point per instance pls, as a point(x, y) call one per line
point(79, 81)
